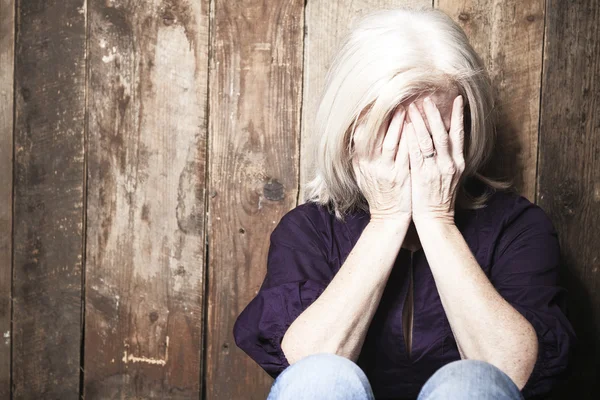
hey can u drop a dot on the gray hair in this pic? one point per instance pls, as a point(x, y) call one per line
point(388, 57)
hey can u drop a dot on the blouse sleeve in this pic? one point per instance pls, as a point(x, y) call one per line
point(525, 272)
point(298, 272)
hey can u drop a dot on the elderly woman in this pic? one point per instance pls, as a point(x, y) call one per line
point(408, 273)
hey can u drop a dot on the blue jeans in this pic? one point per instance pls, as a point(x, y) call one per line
point(332, 377)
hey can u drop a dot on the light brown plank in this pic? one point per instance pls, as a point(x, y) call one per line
point(146, 170)
point(48, 198)
point(569, 172)
point(255, 81)
point(508, 35)
point(326, 24)
point(7, 60)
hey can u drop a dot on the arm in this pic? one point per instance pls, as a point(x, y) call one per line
point(302, 307)
point(513, 320)
point(484, 324)
point(337, 322)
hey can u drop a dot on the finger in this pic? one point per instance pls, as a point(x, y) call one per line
point(390, 143)
point(457, 132)
point(402, 159)
point(420, 129)
point(414, 151)
point(440, 136)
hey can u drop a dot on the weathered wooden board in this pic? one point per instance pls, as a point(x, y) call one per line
point(255, 81)
point(48, 198)
point(508, 35)
point(569, 172)
point(148, 69)
point(327, 21)
point(147, 140)
point(7, 40)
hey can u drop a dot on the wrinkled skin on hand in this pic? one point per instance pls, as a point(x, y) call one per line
point(396, 178)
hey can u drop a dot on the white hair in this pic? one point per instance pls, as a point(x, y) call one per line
point(388, 57)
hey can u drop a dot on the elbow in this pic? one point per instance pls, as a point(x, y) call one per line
point(529, 358)
point(289, 349)
point(518, 358)
point(524, 358)
point(296, 348)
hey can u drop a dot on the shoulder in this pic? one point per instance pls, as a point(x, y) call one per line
point(308, 214)
point(307, 222)
point(503, 207)
point(507, 208)
point(510, 219)
point(317, 212)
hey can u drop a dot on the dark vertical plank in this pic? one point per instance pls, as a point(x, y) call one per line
point(148, 64)
point(48, 203)
point(255, 81)
point(326, 23)
point(569, 172)
point(508, 35)
point(7, 60)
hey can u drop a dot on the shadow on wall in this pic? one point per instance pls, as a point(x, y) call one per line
point(581, 314)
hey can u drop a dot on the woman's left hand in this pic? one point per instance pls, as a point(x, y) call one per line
point(435, 179)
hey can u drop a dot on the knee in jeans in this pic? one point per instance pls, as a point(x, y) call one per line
point(323, 363)
point(458, 374)
point(461, 368)
point(322, 376)
point(466, 370)
point(322, 367)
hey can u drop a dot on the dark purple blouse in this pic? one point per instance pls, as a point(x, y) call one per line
point(514, 242)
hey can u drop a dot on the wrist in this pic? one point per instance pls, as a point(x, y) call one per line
point(428, 219)
point(399, 223)
point(434, 227)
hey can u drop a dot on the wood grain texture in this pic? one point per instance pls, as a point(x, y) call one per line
point(508, 35)
point(7, 60)
point(145, 222)
point(327, 21)
point(255, 81)
point(48, 198)
point(569, 172)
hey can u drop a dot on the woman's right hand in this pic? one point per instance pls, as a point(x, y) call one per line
point(383, 175)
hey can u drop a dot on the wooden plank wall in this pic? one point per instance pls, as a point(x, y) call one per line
point(157, 143)
point(569, 171)
point(7, 61)
point(48, 198)
point(147, 92)
point(255, 98)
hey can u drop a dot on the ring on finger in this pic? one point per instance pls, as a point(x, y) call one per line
point(430, 155)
